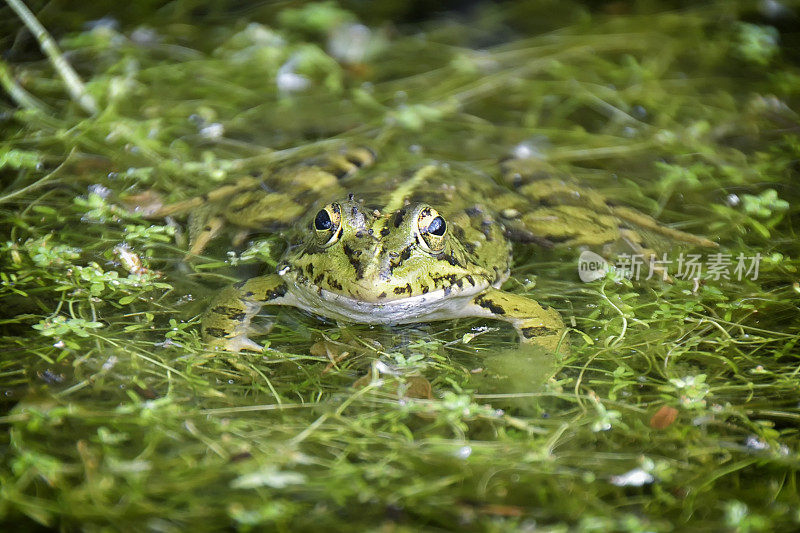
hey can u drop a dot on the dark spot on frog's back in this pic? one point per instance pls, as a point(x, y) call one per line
point(385, 232)
point(405, 254)
point(398, 218)
point(451, 278)
point(277, 292)
point(403, 290)
point(537, 331)
point(233, 313)
point(487, 303)
point(352, 256)
point(215, 332)
point(552, 240)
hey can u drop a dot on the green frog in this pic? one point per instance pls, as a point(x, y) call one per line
point(432, 245)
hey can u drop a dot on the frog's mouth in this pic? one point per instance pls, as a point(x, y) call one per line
point(434, 305)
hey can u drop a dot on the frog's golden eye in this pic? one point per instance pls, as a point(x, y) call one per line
point(432, 228)
point(327, 224)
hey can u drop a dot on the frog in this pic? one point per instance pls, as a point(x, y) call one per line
point(435, 244)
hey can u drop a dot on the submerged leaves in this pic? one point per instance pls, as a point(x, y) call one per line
point(268, 477)
point(61, 325)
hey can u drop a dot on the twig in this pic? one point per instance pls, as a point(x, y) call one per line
point(50, 48)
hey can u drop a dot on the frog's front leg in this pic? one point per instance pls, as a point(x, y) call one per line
point(226, 322)
point(535, 324)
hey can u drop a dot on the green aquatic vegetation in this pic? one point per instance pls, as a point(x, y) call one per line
point(315, 18)
point(764, 204)
point(692, 390)
point(43, 254)
point(60, 325)
point(115, 415)
point(758, 44)
point(18, 159)
point(760, 212)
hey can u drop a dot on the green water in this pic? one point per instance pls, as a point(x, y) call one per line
point(114, 416)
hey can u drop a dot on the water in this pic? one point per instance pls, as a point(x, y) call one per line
point(117, 416)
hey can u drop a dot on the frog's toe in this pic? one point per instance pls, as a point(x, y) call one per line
point(237, 344)
point(555, 342)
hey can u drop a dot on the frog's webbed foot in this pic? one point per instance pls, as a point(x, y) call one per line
point(347, 162)
point(566, 225)
point(238, 343)
point(566, 212)
point(517, 232)
point(226, 323)
point(646, 222)
point(205, 220)
point(221, 193)
point(202, 229)
point(535, 324)
point(276, 201)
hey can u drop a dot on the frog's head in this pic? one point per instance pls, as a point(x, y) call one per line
point(370, 256)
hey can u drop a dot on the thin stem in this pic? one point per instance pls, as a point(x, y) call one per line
point(50, 48)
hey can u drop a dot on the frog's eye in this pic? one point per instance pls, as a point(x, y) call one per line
point(327, 223)
point(432, 228)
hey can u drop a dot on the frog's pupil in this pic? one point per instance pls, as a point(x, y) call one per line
point(323, 221)
point(437, 226)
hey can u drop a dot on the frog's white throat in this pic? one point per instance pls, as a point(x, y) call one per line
point(435, 305)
